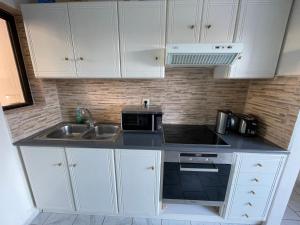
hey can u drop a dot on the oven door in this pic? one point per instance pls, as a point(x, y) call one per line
point(199, 183)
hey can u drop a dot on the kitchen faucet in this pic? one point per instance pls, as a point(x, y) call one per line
point(85, 113)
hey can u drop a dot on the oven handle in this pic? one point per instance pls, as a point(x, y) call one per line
point(209, 170)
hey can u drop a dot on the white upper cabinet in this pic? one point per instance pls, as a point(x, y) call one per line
point(47, 171)
point(289, 63)
point(184, 21)
point(261, 29)
point(94, 27)
point(218, 23)
point(138, 181)
point(93, 178)
point(49, 38)
point(142, 38)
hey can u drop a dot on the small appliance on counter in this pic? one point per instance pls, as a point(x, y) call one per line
point(243, 124)
point(141, 119)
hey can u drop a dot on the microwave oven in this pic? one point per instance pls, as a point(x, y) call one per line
point(141, 119)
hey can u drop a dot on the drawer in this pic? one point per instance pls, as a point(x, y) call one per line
point(254, 209)
point(256, 179)
point(260, 163)
point(252, 192)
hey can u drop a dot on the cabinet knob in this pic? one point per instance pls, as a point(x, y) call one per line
point(73, 165)
point(240, 57)
point(66, 58)
point(81, 58)
point(192, 27)
point(256, 180)
point(156, 58)
point(151, 168)
point(57, 164)
point(252, 192)
point(259, 165)
point(249, 204)
point(208, 26)
point(246, 215)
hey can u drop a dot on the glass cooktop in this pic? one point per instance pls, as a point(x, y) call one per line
point(191, 134)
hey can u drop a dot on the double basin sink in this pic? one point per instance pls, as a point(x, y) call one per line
point(99, 132)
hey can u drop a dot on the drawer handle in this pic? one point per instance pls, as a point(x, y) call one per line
point(256, 180)
point(259, 165)
point(73, 165)
point(252, 192)
point(57, 164)
point(246, 215)
point(249, 204)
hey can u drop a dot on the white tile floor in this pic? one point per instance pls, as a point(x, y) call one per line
point(292, 212)
point(291, 217)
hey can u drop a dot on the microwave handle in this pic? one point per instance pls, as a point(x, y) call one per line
point(208, 170)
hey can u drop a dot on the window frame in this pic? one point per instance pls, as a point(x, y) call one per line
point(19, 61)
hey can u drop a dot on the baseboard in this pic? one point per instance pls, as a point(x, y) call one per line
point(32, 215)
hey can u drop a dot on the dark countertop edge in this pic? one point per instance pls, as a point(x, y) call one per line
point(30, 141)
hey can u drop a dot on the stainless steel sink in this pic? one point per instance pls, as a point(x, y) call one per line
point(102, 132)
point(69, 131)
point(81, 132)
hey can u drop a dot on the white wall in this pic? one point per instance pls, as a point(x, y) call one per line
point(16, 207)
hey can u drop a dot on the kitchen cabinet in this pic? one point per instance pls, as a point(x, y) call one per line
point(142, 38)
point(253, 184)
point(94, 27)
point(70, 40)
point(47, 171)
point(261, 29)
point(49, 38)
point(92, 174)
point(184, 21)
point(218, 23)
point(289, 63)
point(138, 181)
point(205, 21)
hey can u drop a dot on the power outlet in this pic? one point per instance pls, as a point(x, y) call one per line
point(146, 102)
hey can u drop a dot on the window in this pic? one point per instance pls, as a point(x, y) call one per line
point(14, 87)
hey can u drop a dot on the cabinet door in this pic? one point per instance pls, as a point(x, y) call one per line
point(219, 18)
point(289, 63)
point(93, 179)
point(94, 27)
point(47, 171)
point(138, 178)
point(184, 18)
point(49, 38)
point(261, 29)
point(142, 38)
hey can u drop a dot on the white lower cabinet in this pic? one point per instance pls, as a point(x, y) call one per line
point(92, 179)
point(92, 175)
point(138, 181)
point(47, 171)
point(253, 184)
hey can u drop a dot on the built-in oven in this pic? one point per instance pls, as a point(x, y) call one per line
point(196, 178)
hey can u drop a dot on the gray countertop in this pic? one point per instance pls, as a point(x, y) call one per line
point(155, 141)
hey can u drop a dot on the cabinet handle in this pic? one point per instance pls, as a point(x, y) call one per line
point(73, 165)
point(240, 57)
point(256, 180)
point(252, 192)
point(151, 168)
point(246, 215)
point(249, 203)
point(259, 165)
point(156, 58)
point(208, 26)
point(66, 59)
point(57, 164)
point(81, 58)
point(192, 27)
